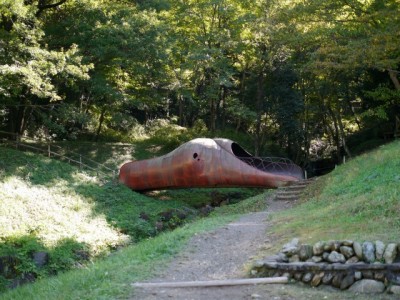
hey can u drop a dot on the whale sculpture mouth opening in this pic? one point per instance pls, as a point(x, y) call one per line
point(276, 165)
point(239, 151)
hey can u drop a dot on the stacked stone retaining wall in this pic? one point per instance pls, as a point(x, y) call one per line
point(368, 267)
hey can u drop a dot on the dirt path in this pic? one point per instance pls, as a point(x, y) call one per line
point(220, 254)
point(223, 254)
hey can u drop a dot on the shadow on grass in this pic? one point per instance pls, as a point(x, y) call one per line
point(127, 212)
point(23, 259)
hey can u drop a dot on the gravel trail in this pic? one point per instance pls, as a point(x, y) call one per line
point(219, 254)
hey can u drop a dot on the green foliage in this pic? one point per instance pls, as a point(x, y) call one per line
point(284, 73)
point(66, 254)
point(17, 257)
point(385, 99)
point(172, 136)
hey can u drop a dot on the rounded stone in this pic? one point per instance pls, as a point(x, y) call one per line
point(358, 250)
point(308, 277)
point(294, 258)
point(390, 253)
point(305, 252)
point(280, 257)
point(348, 243)
point(336, 257)
point(357, 275)
point(325, 256)
point(368, 250)
point(291, 248)
point(332, 246)
point(337, 280)
point(379, 249)
point(316, 259)
point(347, 251)
point(327, 279)
point(367, 286)
point(394, 289)
point(353, 260)
point(347, 281)
point(318, 248)
point(317, 279)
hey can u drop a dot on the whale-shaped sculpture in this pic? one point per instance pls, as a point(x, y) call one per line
point(207, 162)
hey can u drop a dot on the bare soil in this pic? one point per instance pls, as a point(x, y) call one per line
point(226, 253)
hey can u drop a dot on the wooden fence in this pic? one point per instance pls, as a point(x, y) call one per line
point(57, 152)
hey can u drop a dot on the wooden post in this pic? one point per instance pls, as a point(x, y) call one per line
point(305, 174)
point(208, 283)
point(397, 128)
point(344, 159)
point(80, 161)
point(49, 150)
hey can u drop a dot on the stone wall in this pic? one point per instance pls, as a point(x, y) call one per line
point(368, 267)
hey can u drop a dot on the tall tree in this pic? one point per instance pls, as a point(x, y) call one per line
point(31, 73)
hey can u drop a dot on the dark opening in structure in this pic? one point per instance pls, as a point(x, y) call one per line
point(195, 155)
point(239, 151)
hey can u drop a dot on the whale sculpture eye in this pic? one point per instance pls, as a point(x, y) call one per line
point(195, 155)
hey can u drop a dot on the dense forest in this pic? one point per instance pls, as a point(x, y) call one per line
point(314, 77)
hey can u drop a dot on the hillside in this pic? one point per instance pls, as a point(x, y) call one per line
point(359, 200)
point(68, 216)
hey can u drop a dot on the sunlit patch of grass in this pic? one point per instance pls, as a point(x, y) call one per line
point(53, 214)
point(359, 200)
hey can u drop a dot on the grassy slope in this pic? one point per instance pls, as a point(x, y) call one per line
point(48, 205)
point(53, 200)
point(111, 278)
point(359, 200)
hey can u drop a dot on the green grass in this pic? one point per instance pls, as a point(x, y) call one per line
point(359, 200)
point(49, 205)
point(111, 278)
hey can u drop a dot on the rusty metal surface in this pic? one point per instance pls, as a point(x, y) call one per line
point(203, 163)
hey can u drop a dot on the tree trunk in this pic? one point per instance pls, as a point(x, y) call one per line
point(259, 99)
point(331, 132)
point(339, 132)
point(334, 132)
point(101, 120)
point(342, 133)
point(394, 79)
point(353, 113)
point(26, 115)
point(180, 102)
point(222, 98)
point(242, 96)
point(16, 120)
point(213, 113)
